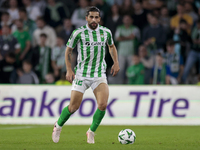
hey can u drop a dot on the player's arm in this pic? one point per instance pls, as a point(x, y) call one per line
point(68, 58)
point(74, 38)
point(113, 52)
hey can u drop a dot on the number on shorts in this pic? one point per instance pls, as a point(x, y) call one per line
point(78, 82)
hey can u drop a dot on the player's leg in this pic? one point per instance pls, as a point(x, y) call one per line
point(75, 102)
point(79, 86)
point(101, 93)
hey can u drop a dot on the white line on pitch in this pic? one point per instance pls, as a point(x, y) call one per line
point(21, 127)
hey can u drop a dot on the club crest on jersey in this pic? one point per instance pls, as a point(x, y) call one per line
point(94, 43)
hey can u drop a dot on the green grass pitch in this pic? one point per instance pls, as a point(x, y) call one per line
point(38, 137)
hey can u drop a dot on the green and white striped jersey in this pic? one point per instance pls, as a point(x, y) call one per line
point(91, 50)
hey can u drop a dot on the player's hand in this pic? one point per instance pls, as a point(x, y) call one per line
point(70, 76)
point(115, 69)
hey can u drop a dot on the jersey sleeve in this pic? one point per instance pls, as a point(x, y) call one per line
point(109, 38)
point(74, 38)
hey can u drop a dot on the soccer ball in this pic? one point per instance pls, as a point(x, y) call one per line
point(126, 136)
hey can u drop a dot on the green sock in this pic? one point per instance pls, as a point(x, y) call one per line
point(98, 116)
point(64, 116)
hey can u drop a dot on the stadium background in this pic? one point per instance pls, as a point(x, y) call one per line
point(164, 46)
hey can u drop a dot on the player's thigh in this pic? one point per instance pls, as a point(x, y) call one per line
point(101, 93)
point(79, 86)
point(75, 101)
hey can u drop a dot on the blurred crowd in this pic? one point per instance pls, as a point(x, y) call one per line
point(158, 41)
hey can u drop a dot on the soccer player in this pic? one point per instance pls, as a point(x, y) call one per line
point(90, 70)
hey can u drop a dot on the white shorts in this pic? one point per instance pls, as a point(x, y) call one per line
point(81, 84)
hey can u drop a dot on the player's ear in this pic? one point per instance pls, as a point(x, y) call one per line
point(99, 20)
point(86, 18)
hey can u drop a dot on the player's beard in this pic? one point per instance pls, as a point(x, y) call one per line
point(93, 25)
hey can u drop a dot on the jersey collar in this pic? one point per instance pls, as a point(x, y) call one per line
point(97, 29)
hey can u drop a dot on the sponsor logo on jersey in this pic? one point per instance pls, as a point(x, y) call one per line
point(95, 43)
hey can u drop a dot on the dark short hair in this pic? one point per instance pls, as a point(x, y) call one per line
point(11, 55)
point(138, 1)
point(164, 6)
point(128, 15)
point(135, 55)
point(60, 37)
point(43, 35)
point(170, 42)
point(27, 61)
point(154, 16)
point(181, 3)
point(23, 10)
point(40, 19)
point(64, 19)
point(20, 20)
point(183, 21)
point(159, 54)
point(5, 13)
point(143, 46)
point(188, 3)
point(92, 9)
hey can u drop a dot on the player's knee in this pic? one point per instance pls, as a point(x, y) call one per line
point(102, 106)
point(73, 108)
